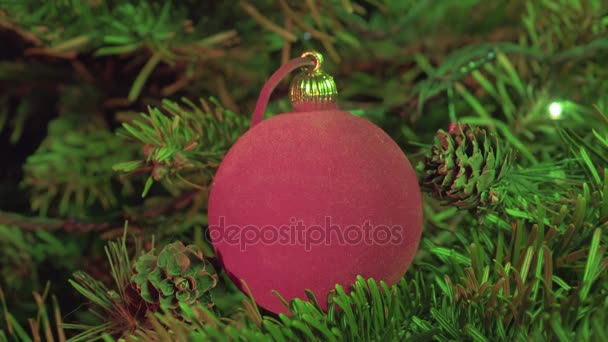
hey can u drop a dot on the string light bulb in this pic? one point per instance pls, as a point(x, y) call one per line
point(555, 110)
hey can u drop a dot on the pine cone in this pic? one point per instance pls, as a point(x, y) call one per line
point(179, 274)
point(463, 166)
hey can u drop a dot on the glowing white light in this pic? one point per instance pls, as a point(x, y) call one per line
point(555, 110)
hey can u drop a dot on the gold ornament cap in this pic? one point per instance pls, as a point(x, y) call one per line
point(313, 89)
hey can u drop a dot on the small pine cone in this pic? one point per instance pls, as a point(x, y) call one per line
point(179, 274)
point(463, 166)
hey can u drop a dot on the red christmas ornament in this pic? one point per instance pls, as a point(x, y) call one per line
point(313, 198)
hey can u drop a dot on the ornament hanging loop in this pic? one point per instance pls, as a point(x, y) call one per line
point(316, 57)
point(320, 89)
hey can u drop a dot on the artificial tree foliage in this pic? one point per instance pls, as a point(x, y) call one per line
point(114, 116)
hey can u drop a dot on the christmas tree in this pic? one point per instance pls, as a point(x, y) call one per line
point(116, 115)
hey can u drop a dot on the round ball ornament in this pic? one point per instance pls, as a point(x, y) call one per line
point(313, 198)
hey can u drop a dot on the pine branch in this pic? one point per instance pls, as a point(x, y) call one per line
point(182, 142)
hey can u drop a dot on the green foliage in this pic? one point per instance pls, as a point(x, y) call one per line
point(517, 87)
point(23, 252)
point(78, 25)
point(549, 26)
point(71, 171)
point(369, 312)
point(47, 325)
point(531, 266)
point(591, 150)
point(182, 142)
point(179, 274)
point(117, 308)
point(16, 253)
